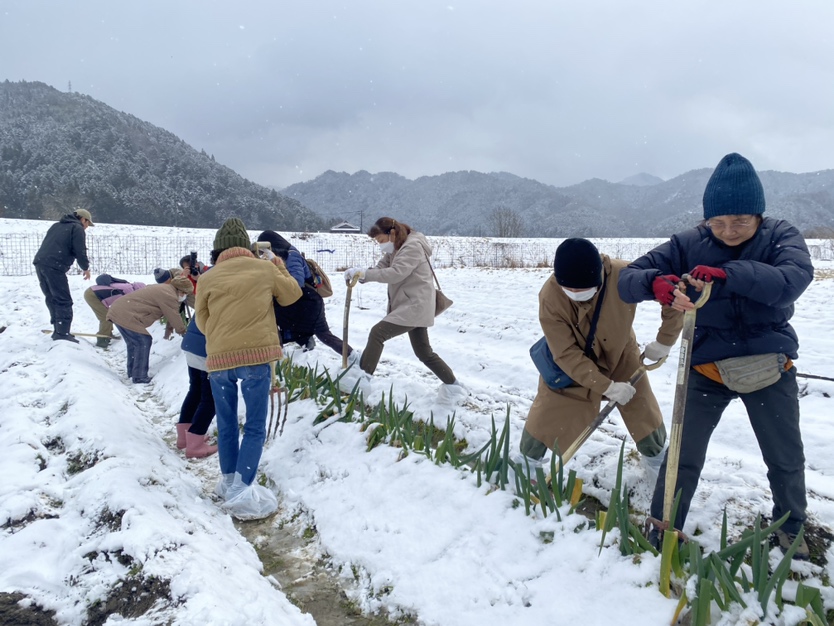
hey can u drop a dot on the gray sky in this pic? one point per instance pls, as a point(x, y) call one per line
point(550, 90)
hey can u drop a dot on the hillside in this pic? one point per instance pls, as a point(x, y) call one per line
point(63, 150)
point(461, 203)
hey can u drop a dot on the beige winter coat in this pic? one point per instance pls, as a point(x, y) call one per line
point(138, 310)
point(410, 283)
point(234, 309)
point(562, 415)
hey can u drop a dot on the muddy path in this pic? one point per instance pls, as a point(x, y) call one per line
point(290, 553)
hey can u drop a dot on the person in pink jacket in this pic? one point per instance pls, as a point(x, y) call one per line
point(100, 296)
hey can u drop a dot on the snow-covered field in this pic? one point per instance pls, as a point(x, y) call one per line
point(92, 489)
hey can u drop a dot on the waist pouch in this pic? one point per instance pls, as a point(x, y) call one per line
point(746, 374)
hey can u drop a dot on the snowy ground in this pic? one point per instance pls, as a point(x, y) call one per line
point(93, 490)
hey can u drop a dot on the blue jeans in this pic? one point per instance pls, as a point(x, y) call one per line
point(236, 455)
point(138, 353)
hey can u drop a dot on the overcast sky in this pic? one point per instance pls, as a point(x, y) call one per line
point(551, 90)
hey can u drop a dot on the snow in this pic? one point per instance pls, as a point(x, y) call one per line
point(406, 535)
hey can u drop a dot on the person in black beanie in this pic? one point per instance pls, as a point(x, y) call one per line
point(758, 267)
point(305, 318)
point(583, 280)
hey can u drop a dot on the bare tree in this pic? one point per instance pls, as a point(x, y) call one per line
point(504, 222)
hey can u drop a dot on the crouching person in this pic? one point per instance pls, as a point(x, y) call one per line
point(584, 287)
point(101, 296)
point(135, 312)
point(234, 312)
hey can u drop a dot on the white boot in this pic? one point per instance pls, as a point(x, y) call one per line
point(652, 465)
point(452, 393)
point(247, 502)
point(222, 487)
point(527, 465)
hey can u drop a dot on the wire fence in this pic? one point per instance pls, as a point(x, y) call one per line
point(138, 254)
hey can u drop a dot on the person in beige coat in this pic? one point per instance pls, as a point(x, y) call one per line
point(405, 268)
point(135, 312)
point(234, 311)
point(566, 307)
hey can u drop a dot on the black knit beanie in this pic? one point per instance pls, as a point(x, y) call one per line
point(275, 240)
point(231, 235)
point(734, 189)
point(577, 264)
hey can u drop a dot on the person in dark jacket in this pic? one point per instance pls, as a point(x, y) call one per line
point(758, 266)
point(304, 319)
point(65, 243)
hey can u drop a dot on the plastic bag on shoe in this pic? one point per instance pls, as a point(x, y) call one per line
point(452, 393)
point(254, 502)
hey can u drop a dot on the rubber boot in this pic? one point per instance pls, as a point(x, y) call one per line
point(182, 428)
point(62, 332)
point(196, 446)
point(102, 342)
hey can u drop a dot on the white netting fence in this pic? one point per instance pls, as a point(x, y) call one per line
point(134, 253)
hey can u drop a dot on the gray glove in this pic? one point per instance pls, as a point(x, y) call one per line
point(620, 393)
point(656, 351)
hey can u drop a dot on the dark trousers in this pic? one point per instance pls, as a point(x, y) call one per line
point(774, 416)
point(56, 292)
point(138, 353)
point(383, 331)
point(323, 334)
point(198, 405)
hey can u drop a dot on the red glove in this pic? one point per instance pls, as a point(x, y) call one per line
point(663, 288)
point(707, 273)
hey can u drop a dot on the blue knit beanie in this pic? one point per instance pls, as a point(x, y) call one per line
point(734, 189)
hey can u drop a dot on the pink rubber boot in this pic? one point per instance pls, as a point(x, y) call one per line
point(181, 430)
point(196, 446)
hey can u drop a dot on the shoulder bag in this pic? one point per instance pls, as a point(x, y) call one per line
point(553, 375)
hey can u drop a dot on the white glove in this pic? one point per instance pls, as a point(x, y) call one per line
point(267, 255)
point(620, 393)
point(354, 271)
point(656, 351)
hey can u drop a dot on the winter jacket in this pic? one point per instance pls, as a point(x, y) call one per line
point(194, 341)
point(138, 310)
point(562, 415)
point(410, 284)
point(108, 294)
point(234, 309)
point(65, 242)
point(749, 312)
point(298, 268)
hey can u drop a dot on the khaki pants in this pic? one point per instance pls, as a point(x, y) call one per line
point(104, 327)
point(383, 331)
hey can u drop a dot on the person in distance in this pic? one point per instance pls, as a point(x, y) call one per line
point(64, 243)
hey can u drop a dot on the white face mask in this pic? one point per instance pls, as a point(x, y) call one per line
point(387, 247)
point(182, 297)
point(580, 296)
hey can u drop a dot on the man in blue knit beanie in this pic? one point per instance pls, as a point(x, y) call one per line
point(743, 345)
point(734, 189)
